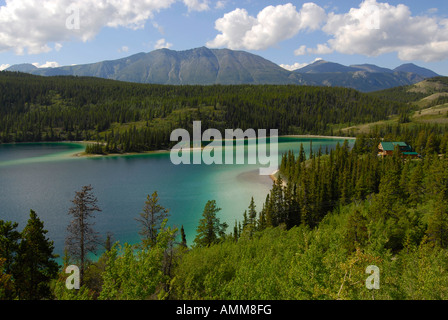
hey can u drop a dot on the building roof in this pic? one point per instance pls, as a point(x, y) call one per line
point(410, 153)
point(390, 146)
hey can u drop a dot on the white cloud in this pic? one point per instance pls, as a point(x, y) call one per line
point(378, 28)
point(197, 5)
point(297, 65)
point(124, 49)
point(28, 26)
point(4, 66)
point(48, 64)
point(220, 4)
point(158, 27)
point(239, 30)
point(58, 47)
point(301, 51)
point(161, 43)
point(312, 16)
point(321, 49)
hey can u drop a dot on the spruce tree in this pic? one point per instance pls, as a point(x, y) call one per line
point(415, 187)
point(235, 232)
point(252, 214)
point(9, 246)
point(210, 229)
point(151, 219)
point(356, 233)
point(438, 224)
point(183, 237)
point(35, 262)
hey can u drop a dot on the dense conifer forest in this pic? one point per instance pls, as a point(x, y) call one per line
point(129, 117)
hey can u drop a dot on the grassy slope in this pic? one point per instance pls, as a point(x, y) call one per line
point(421, 96)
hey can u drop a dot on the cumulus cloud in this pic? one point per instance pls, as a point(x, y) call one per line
point(29, 26)
point(4, 66)
point(301, 51)
point(321, 49)
point(197, 5)
point(297, 65)
point(161, 43)
point(239, 30)
point(378, 28)
point(372, 29)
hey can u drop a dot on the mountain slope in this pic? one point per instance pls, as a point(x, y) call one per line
point(322, 66)
point(412, 68)
point(24, 67)
point(203, 66)
point(365, 77)
point(371, 68)
point(200, 66)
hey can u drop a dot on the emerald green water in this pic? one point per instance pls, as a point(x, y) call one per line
point(45, 176)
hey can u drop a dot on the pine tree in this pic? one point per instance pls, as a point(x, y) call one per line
point(356, 231)
point(210, 229)
point(183, 237)
point(82, 239)
point(35, 262)
point(268, 217)
point(245, 220)
point(415, 188)
point(108, 243)
point(252, 214)
point(302, 156)
point(438, 224)
point(235, 232)
point(151, 219)
point(6, 283)
point(9, 246)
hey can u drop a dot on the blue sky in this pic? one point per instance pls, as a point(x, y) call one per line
point(289, 33)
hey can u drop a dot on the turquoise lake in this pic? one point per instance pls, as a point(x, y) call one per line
point(45, 176)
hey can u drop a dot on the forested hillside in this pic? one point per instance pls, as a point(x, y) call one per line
point(139, 117)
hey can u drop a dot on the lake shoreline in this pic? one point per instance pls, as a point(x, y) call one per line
point(317, 137)
point(274, 177)
point(85, 155)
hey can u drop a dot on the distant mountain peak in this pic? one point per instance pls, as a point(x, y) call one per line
point(24, 67)
point(205, 66)
point(412, 68)
point(322, 66)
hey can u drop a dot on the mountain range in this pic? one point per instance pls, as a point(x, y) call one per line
point(204, 66)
